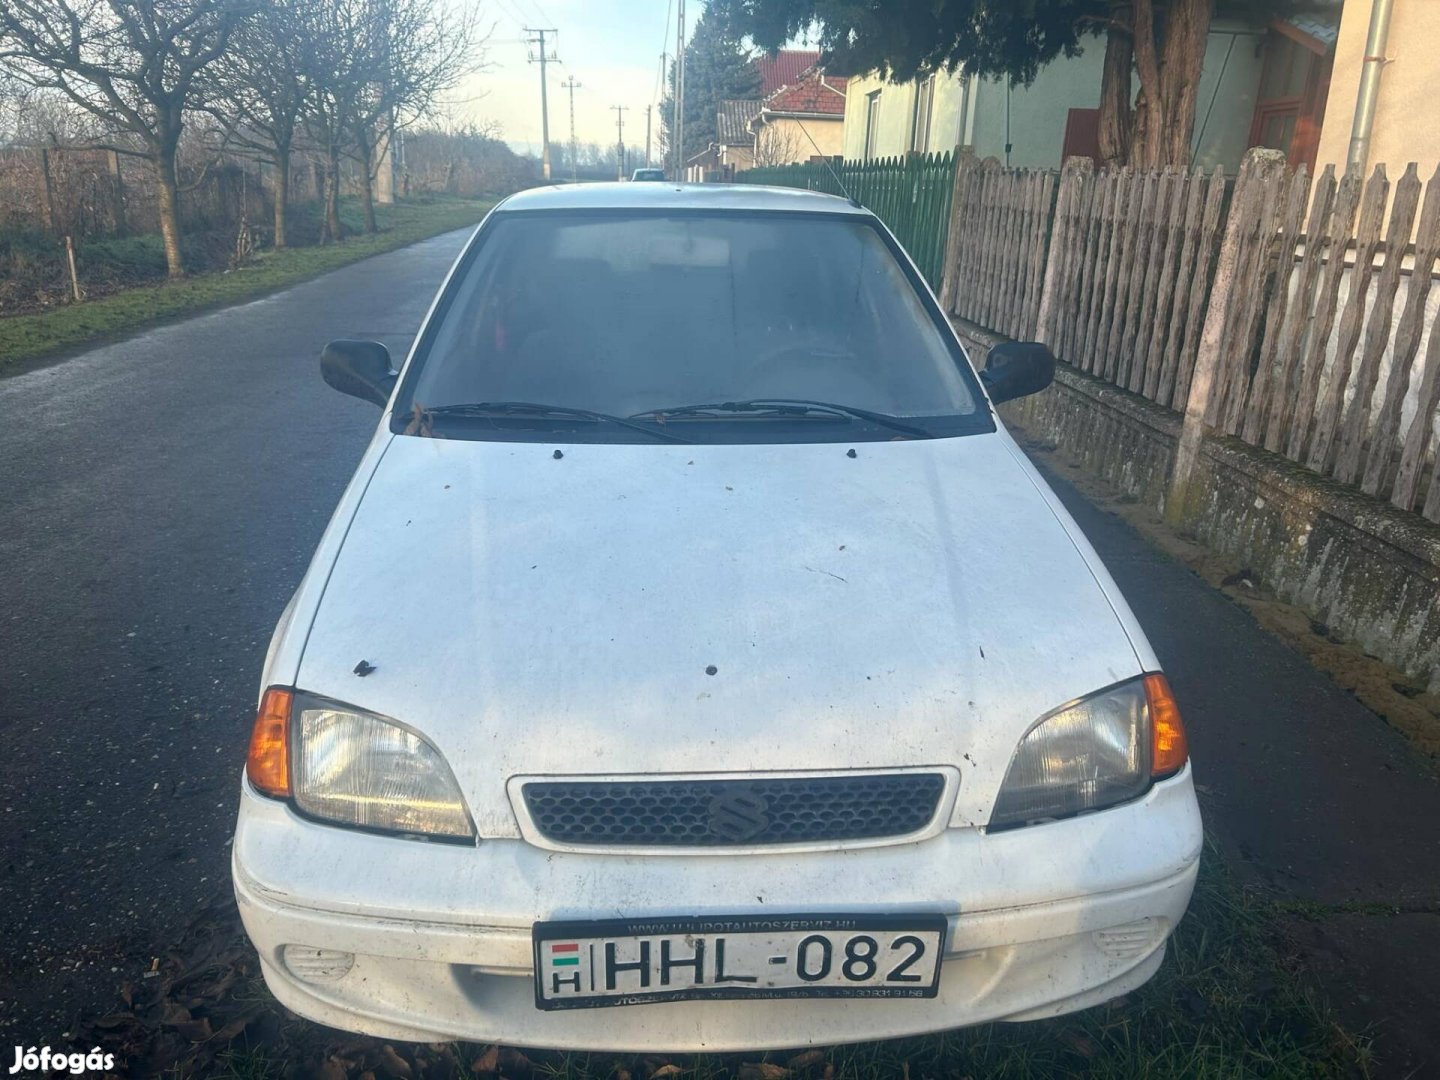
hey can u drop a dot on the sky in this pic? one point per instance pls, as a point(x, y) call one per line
point(611, 48)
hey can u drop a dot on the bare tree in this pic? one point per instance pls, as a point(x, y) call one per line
point(465, 159)
point(40, 117)
point(12, 104)
point(776, 145)
point(263, 86)
point(332, 83)
point(404, 55)
point(134, 64)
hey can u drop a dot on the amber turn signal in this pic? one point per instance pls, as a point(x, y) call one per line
point(268, 764)
point(1167, 734)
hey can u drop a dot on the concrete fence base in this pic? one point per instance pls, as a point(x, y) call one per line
point(1367, 570)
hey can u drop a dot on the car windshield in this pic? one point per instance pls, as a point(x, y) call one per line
point(631, 315)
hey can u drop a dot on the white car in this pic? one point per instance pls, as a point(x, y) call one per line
point(694, 663)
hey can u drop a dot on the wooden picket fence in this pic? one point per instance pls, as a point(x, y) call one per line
point(911, 194)
point(999, 234)
point(1328, 381)
point(1136, 260)
point(1328, 350)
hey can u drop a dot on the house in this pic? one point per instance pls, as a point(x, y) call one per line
point(1262, 84)
point(734, 147)
point(734, 141)
point(1403, 124)
point(702, 167)
point(801, 120)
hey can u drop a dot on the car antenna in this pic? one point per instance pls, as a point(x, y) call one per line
point(829, 168)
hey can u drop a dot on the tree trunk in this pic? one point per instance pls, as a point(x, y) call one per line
point(334, 230)
point(169, 207)
point(1187, 30)
point(282, 193)
point(1147, 102)
point(1169, 65)
point(367, 198)
point(1117, 119)
point(117, 193)
point(1141, 146)
point(365, 146)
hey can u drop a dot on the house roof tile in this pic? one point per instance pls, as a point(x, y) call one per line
point(816, 92)
point(1324, 27)
point(732, 121)
point(784, 68)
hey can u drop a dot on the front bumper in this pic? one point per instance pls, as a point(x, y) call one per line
point(1042, 921)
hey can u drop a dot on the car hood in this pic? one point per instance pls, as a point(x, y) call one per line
point(622, 609)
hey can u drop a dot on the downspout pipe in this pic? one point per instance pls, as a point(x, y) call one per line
point(1370, 68)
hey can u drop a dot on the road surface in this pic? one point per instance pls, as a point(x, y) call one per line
point(161, 498)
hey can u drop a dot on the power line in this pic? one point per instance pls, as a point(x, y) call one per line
point(571, 85)
point(679, 127)
point(539, 36)
point(510, 13)
point(664, 52)
point(620, 111)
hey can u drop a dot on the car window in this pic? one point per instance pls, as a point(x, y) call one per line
point(629, 313)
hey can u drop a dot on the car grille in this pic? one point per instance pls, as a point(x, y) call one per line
point(716, 813)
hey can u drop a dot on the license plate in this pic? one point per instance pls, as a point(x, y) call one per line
point(634, 961)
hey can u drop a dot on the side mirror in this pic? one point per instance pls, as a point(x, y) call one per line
point(359, 368)
point(1014, 369)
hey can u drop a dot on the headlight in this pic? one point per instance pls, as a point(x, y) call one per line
point(353, 768)
point(1094, 753)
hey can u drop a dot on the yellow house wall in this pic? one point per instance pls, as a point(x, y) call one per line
point(897, 114)
point(738, 156)
point(1407, 115)
point(829, 136)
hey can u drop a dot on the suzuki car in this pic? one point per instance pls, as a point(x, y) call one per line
point(695, 663)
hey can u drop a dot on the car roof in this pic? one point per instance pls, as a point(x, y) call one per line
point(673, 196)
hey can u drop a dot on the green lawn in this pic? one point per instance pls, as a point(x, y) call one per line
point(24, 337)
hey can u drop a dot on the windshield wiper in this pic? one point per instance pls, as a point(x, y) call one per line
point(787, 406)
point(530, 408)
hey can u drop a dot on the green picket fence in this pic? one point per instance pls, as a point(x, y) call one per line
point(911, 195)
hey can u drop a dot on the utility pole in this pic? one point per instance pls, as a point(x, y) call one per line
point(647, 136)
point(619, 140)
point(679, 126)
point(539, 37)
point(571, 85)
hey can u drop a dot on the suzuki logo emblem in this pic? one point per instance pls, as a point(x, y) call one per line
point(738, 814)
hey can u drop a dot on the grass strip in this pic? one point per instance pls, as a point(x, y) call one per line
point(25, 337)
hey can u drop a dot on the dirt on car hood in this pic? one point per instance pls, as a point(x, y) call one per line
point(621, 609)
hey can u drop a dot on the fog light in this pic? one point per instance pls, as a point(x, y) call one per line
point(317, 965)
point(1131, 940)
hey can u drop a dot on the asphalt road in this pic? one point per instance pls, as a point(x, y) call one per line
point(160, 500)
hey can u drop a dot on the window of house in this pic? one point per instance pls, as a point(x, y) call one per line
point(872, 122)
point(1290, 106)
point(920, 121)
